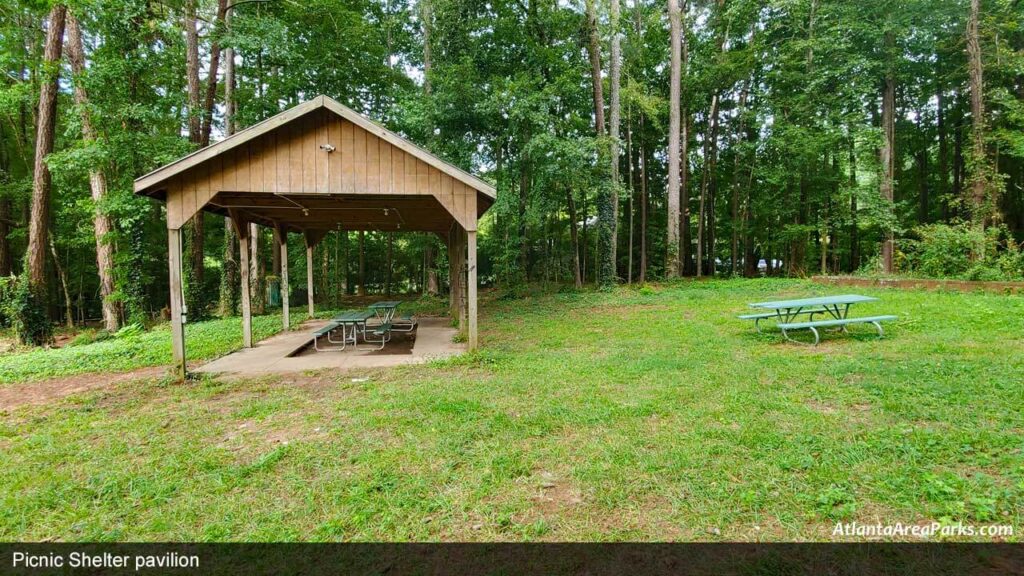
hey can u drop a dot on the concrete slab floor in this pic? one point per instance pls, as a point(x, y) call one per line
point(271, 356)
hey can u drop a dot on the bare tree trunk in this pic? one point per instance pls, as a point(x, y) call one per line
point(362, 263)
point(594, 51)
point(229, 276)
point(686, 249)
point(195, 228)
point(206, 124)
point(888, 157)
point(39, 224)
point(632, 192)
point(706, 211)
point(854, 232)
point(97, 181)
point(736, 184)
point(978, 162)
point(388, 272)
point(69, 309)
point(574, 235)
point(615, 117)
point(643, 206)
point(940, 122)
point(674, 91)
point(524, 189)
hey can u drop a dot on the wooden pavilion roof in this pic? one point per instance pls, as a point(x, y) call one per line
point(318, 166)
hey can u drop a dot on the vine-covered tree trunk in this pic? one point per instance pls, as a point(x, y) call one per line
point(257, 271)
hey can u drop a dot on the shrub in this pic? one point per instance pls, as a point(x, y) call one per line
point(27, 311)
point(964, 252)
point(8, 285)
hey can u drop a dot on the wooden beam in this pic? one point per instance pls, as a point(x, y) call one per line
point(471, 284)
point(242, 229)
point(177, 322)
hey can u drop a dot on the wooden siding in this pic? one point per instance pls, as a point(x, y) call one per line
point(291, 160)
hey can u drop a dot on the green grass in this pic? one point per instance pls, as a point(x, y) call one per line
point(203, 340)
point(650, 415)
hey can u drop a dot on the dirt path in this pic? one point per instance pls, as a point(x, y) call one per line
point(43, 391)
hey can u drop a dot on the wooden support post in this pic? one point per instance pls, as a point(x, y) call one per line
point(242, 229)
point(177, 325)
point(457, 275)
point(471, 285)
point(309, 276)
point(282, 237)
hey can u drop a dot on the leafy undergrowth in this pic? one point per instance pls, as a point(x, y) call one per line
point(648, 414)
point(132, 349)
point(204, 340)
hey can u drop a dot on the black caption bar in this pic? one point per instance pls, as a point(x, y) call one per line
point(513, 559)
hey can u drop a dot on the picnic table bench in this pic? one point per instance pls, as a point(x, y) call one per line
point(836, 307)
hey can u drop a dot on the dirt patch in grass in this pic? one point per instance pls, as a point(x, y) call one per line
point(44, 392)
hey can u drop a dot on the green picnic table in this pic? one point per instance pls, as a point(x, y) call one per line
point(356, 319)
point(385, 310)
point(836, 307)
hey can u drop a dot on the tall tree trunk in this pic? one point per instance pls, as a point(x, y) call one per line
point(257, 269)
point(39, 223)
point(362, 263)
point(574, 235)
point(685, 240)
point(605, 194)
point(737, 183)
point(615, 117)
point(594, 52)
point(195, 228)
point(632, 193)
point(97, 181)
point(524, 190)
point(5, 245)
point(674, 91)
point(888, 157)
point(642, 277)
point(942, 190)
point(389, 270)
point(979, 203)
point(69, 308)
point(706, 212)
point(229, 274)
point(206, 124)
point(854, 231)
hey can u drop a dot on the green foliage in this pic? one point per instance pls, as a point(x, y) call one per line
point(27, 310)
point(963, 251)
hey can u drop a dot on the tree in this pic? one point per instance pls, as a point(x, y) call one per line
point(672, 227)
point(888, 157)
point(102, 226)
point(37, 330)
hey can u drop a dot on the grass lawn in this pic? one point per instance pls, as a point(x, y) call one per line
point(647, 414)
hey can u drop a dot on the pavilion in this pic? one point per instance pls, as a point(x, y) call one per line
point(312, 169)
